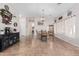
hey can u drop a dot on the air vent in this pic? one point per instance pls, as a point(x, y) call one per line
point(60, 17)
point(69, 13)
point(55, 21)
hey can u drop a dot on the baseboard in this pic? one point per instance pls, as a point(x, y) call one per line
point(67, 39)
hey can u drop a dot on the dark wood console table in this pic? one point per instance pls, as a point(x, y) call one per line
point(8, 40)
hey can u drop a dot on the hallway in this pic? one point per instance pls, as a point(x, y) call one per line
point(35, 47)
point(34, 24)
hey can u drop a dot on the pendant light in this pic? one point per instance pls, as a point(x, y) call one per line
point(42, 17)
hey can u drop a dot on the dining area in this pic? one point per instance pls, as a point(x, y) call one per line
point(44, 35)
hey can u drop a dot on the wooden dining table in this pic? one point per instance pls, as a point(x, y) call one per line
point(44, 35)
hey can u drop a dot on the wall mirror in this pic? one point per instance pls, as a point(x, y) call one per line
point(15, 24)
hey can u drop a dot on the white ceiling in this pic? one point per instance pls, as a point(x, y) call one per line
point(35, 9)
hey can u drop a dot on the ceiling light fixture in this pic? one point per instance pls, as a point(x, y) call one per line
point(59, 3)
point(42, 17)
